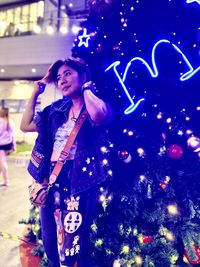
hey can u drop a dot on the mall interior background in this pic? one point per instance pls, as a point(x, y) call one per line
point(33, 34)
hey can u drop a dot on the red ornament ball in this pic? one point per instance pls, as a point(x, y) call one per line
point(175, 151)
point(197, 253)
point(147, 239)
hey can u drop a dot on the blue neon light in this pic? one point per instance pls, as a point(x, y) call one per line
point(191, 1)
point(84, 38)
point(133, 106)
point(152, 70)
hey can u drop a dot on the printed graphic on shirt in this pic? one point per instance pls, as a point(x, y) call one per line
point(68, 222)
point(75, 249)
point(62, 136)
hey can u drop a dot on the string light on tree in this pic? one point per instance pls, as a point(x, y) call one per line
point(194, 143)
point(141, 152)
point(172, 209)
point(157, 90)
point(169, 236)
point(138, 260)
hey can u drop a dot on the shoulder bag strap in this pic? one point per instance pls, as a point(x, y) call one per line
point(65, 152)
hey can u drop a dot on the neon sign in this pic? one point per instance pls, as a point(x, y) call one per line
point(191, 1)
point(84, 38)
point(152, 70)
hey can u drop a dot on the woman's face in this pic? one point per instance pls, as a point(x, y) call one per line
point(69, 81)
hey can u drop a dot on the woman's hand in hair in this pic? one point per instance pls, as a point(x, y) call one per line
point(40, 85)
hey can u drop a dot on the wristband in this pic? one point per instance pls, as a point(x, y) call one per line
point(87, 88)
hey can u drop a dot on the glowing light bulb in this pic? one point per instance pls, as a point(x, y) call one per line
point(142, 178)
point(140, 151)
point(64, 30)
point(50, 29)
point(168, 120)
point(169, 236)
point(130, 133)
point(104, 149)
point(160, 115)
point(125, 249)
point(138, 260)
point(105, 162)
point(84, 169)
point(110, 172)
point(37, 29)
point(75, 29)
point(102, 198)
point(172, 209)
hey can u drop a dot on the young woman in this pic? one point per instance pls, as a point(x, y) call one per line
point(73, 197)
point(7, 142)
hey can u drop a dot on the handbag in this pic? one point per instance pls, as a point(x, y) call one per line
point(38, 192)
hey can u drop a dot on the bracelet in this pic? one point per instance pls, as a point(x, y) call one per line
point(87, 88)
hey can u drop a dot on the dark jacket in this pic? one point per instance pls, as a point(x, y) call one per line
point(87, 170)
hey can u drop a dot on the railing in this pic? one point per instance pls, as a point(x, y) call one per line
point(58, 20)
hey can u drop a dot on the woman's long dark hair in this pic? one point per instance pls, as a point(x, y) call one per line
point(4, 113)
point(77, 64)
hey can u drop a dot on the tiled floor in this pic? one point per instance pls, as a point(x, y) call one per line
point(14, 206)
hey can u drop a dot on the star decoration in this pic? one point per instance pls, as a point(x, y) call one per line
point(84, 38)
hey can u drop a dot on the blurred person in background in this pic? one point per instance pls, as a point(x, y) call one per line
point(7, 142)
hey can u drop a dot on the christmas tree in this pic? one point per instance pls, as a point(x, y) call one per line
point(144, 57)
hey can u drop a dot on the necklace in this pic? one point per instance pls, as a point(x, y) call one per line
point(73, 118)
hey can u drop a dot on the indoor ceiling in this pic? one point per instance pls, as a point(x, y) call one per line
point(23, 72)
point(10, 2)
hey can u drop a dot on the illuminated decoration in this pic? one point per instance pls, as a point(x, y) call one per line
point(116, 263)
point(172, 209)
point(99, 242)
point(169, 236)
point(138, 260)
point(174, 151)
point(125, 249)
point(84, 38)
point(164, 184)
point(196, 260)
point(192, 1)
point(133, 105)
point(152, 70)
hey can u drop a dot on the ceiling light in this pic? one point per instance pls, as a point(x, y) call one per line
point(75, 29)
point(50, 29)
point(64, 30)
point(37, 29)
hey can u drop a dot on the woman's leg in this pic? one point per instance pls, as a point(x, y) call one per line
point(88, 207)
point(4, 167)
point(49, 236)
point(74, 248)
